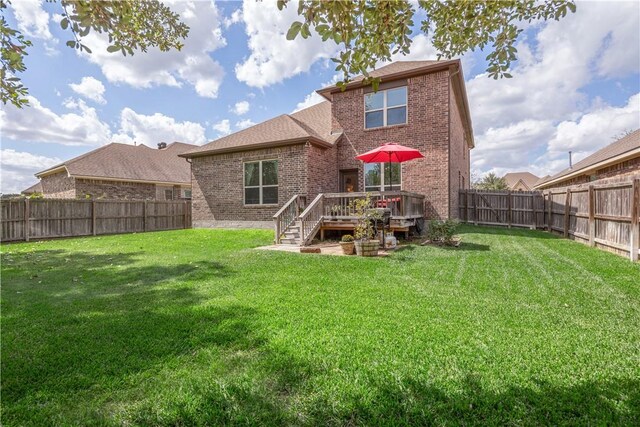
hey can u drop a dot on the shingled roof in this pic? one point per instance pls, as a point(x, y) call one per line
point(529, 179)
point(35, 188)
point(312, 124)
point(628, 145)
point(130, 163)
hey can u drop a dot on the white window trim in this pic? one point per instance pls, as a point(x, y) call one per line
point(259, 186)
point(382, 178)
point(384, 108)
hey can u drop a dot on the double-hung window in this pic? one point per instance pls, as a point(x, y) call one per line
point(385, 108)
point(382, 176)
point(261, 182)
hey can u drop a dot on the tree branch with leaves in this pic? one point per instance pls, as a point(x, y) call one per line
point(131, 25)
point(371, 31)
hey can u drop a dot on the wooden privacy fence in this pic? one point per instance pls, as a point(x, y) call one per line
point(25, 219)
point(606, 216)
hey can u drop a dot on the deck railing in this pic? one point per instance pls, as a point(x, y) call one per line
point(311, 219)
point(287, 215)
point(402, 204)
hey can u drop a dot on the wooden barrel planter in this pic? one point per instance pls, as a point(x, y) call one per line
point(367, 248)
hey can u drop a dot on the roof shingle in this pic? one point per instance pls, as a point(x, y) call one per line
point(130, 162)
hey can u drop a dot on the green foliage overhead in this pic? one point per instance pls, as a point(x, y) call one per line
point(491, 181)
point(131, 25)
point(371, 31)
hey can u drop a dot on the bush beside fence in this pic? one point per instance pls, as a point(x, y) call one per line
point(26, 219)
point(601, 215)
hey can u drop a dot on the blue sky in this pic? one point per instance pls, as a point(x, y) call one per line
point(575, 86)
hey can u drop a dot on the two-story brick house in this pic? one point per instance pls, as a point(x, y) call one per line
point(243, 179)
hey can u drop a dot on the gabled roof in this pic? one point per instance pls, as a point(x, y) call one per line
point(620, 150)
point(35, 188)
point(312, 124)
point(130, 163)
point(529, 179)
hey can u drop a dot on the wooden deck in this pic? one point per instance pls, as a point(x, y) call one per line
point(333, 211)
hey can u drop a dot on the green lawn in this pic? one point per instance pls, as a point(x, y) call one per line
point(193, 327)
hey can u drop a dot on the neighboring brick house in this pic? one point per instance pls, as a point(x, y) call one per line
point(520, 181)
point(244, 178)
point(617, 161)
point(121, 171)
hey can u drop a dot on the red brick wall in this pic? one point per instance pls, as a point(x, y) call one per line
point(459, 173)
point(115, 190)
point(618, 170)
point(217, 183)
point(427, 130)
point(58, 186)
point(322, 171)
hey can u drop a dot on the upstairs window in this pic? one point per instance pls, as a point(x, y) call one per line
point(261, 182)
point(385, 108)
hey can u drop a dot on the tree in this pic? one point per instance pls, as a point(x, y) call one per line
point(491, 181)
point(371, 30)
point(131, 25)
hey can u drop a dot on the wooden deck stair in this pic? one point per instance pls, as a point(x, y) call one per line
point(297, 223)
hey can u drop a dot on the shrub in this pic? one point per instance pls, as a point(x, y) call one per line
point(347, 238)
point(442, 231)
point(367, 218)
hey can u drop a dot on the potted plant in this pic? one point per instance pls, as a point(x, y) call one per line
point(367, 218)
point(347, 244)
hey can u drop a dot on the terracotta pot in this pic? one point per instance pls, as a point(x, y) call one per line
point(367, 248)
point(347, 247)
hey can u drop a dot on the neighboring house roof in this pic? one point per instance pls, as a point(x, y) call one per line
point(527, 178)
point(405, 69)
point(35, 188)
point(623, 149)
point(311, 124)
point(125, 162)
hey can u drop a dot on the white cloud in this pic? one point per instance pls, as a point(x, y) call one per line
point(33, 20)
point(243, 124)
point(310, 100)
point(531, 120)
point(223, 127)
point(155, 128)
point(18, 168)
point(273, 58)
point(234, 18)
point(37, 123)
point(91, 88)
point(241, 108)
point(193, 64)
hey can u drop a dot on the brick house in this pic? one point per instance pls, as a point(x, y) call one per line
point(617, 161)
point(121, 171)
point(243, 179)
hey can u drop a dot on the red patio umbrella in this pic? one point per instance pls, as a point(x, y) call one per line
point(390, 153)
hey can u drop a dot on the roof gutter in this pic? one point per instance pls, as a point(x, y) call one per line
point(258, 146)
point(619, 158)
point(52, 171)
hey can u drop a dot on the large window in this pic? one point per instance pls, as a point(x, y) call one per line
point(385, 108)
point(381, 176)
point(261, 182)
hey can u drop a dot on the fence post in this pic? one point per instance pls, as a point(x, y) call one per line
point(144, 216)
point(185, 214)
point(634, 233)
point(567, 211)
point(475, 207)
point(592, 216)
point(550, 210)
point(534, 219)
point(509, 208)
point(93, 217)
point(26, 219)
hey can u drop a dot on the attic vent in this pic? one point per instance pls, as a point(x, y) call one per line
point(162, 145)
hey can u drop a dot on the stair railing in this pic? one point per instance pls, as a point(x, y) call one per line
point(311, 219)
point(287, 216)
